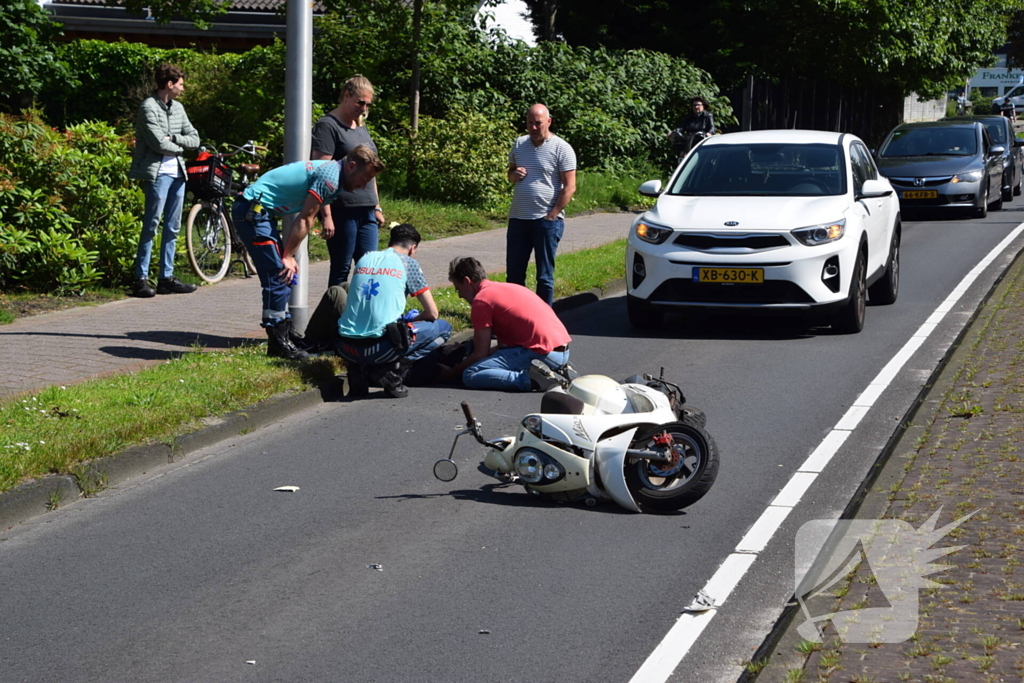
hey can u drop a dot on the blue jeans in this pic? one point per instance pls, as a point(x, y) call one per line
point(540, 236)
point(508, 369)
point(263, 242)
point(355, 233)
point(164, 197)
point(429, 336)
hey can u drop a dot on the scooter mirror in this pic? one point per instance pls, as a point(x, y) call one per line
point(445, 469)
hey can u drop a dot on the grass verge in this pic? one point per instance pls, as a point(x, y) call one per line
point(59, 428)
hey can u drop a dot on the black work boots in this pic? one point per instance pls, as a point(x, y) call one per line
point(279, 341)
point(388, 376)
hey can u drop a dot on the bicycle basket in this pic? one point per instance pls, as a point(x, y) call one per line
point(209, 178)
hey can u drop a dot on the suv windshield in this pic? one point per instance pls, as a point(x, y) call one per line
point(930, 141)
point(764, 170)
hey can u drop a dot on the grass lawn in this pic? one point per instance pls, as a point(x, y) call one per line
point(59, 428)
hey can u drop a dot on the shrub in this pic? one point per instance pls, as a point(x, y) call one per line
point(69, 216)
point(463, 162)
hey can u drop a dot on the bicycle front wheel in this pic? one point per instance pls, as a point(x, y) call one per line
point(209, 247)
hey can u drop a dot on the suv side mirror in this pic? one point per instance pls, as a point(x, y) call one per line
point(996, 150)
point(652, 188)
point(1017, 142)
point(874, 188)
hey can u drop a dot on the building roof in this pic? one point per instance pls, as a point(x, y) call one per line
point(247, 23)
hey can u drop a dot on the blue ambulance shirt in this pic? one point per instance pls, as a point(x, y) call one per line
point(284, 189)
point(376, 297)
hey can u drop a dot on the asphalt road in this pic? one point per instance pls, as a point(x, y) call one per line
point(193, 572)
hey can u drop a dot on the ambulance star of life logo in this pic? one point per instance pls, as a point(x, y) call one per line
point(898, 555)
point(368, 289)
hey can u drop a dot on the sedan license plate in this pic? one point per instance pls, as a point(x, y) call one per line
point(745, 276)
point(920, 194)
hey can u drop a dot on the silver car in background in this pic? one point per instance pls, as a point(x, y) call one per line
point(944, 164)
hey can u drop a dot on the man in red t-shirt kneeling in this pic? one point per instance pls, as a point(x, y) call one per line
point(526, 327)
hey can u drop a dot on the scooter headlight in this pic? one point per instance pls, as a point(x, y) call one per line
point(530, 465)
point(533, 424)
point(537, 467)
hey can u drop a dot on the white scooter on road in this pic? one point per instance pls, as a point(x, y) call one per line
point(636, 443)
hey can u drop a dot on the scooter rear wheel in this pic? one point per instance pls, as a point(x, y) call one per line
point(666, 487)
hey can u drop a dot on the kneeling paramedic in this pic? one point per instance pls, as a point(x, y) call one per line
point(377, 341)
point(301, 187)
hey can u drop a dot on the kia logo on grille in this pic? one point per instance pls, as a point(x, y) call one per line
point(732, 223)
point(918, 182)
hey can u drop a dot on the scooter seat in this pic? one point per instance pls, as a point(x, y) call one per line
point(557, 402)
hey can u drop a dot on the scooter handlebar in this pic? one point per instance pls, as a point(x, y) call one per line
point(467, 412)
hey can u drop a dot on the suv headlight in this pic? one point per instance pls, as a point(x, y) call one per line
point(815, 235)
point(967, 177)
point(652, 233)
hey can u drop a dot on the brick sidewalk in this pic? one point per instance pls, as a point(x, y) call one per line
point(72, 345)
point(968, 455)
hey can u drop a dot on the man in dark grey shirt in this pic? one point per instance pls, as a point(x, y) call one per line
point(351, 222)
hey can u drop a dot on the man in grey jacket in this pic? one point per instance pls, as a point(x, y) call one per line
point(162, 133)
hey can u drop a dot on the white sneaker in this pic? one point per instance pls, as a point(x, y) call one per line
point(543, 376)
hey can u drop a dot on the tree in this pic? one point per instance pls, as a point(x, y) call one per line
point(923, 46)
point(27, 53)
point(199, 12)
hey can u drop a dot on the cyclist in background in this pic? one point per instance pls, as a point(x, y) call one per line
point(692, 127)
point(1008, 110)
point(300, 187)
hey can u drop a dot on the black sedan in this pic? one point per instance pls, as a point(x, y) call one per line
point(1001, 131)
point(940, 164)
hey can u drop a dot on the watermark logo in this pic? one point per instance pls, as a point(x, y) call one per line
point(898, 555)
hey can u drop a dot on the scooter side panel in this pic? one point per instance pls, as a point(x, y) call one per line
point(611, 462)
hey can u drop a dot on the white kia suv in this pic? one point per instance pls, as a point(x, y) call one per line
point(778, 219)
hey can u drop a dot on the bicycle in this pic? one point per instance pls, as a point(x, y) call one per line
point(210, 235)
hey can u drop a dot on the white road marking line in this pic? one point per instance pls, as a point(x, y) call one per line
point(793, 491)
point(823, 453)
point(763, 530)
point(684, 633)
point(869, 395)
point(852, 417)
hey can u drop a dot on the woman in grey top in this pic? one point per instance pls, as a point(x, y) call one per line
point(351, 222)
point(162, 133)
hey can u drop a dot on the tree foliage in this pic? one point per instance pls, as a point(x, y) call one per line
point(199, 12)
point(613, 106)
point(27, 58)
point(922, 46)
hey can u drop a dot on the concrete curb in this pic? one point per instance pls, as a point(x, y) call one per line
point(36, 498)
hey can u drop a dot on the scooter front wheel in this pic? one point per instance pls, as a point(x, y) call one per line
point(669, 486)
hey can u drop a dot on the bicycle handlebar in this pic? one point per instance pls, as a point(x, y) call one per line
point(250, 148)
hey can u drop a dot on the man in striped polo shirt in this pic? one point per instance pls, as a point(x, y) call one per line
point(542, 169)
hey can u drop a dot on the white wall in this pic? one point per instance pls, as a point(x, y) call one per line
point(929, 110)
